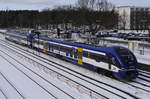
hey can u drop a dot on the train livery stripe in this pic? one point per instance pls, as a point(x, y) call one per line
point(80, 52)
point(96, 52)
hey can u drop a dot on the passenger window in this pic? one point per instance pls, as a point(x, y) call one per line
point(96, 57)
point(50, 47)
point(75, 53)
point(56, 47)
point(85, 54)
point(71, 52)
point(63, 49)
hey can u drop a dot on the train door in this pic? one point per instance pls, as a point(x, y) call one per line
point(107, 60)
point(112, 64)
point(44, 47)
point(75, 53)
point(80, 53)
point(51, 47)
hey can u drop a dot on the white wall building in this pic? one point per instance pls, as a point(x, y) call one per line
point(133, 18)
point(124, 17)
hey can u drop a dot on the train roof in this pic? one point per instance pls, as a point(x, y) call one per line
point(104, 49)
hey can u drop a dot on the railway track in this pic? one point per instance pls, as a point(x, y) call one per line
point(144, 76)
point(110, 86)
point(144, 72)
point(38, 75)
point(136, 86)
point(91, 91)
point(27, 76)
point(3, 94)
point(21, 95)
point(145, 79)
point(144, 67)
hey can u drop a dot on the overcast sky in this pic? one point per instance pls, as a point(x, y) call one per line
point(41, 4)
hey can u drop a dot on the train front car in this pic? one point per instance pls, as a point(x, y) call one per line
point(127, 63)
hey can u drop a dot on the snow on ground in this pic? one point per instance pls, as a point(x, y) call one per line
point(18, 82)
point(50, 88)
point(21, 82)
point(16, 85)
point(73, 90)
point(122, 86)
point(28, 88)
point(8, 89)
point(2, 95)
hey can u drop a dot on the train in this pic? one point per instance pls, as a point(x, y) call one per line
point(118, 61)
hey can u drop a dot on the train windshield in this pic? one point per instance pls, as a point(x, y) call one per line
point(126, 56)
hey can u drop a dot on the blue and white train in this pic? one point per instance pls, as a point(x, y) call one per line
point(117, 60)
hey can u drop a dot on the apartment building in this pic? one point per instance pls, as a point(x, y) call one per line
point(133, 18)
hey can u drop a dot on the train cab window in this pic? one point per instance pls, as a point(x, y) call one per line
point(126, 56)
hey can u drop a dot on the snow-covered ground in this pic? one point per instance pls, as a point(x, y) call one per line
point(29, 76)
point(20, 78)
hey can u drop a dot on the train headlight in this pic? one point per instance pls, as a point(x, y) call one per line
point(114, 68)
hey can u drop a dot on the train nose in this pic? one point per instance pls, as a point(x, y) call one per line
point(126, 75)
point(132, 74)
point(132, 67)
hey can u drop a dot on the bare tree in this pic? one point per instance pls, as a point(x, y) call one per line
point(92, 3)
point(82, 3)
point(99, 5)
point(104, 5)
point(95, 5)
